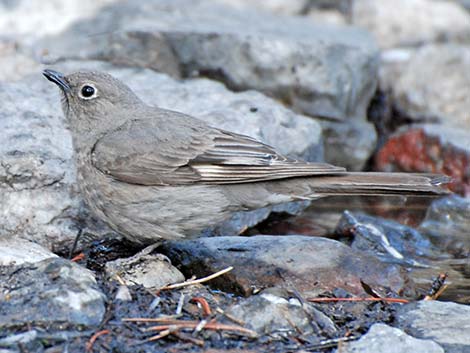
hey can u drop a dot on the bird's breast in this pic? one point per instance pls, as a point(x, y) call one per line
point(93, 185)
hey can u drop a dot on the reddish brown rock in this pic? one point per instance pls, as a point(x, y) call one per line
point(430, 149)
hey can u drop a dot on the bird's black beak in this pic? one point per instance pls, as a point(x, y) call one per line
point(57, 78)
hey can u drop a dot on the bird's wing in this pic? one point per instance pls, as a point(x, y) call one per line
point(187, 151)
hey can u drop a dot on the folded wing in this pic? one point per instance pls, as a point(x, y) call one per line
point(187, 151)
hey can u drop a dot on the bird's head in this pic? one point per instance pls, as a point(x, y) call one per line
point(93, 100)
point(88, 94)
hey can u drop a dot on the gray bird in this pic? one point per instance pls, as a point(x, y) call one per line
point(155, 174)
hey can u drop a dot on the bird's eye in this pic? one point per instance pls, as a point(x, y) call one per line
point(88, 92)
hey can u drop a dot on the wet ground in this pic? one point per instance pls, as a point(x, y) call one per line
point(118, 335)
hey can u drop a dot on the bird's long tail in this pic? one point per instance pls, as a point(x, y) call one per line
point(381, 184)
point(358, 183)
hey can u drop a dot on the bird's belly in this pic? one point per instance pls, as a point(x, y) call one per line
point(145, 214)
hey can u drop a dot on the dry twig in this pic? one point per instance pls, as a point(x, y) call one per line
point(214, 326)
point(163, 319)
point(371, 299)
point(160, 335)
point(197, 281)
point(182, 336)
point(175, 324)
point(91, 342)
point(206, 309)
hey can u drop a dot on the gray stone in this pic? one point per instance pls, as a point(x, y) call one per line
point(448, 135)
point(322, 11)
point(411, 22)
point(464, 3)
point(311, 265)
point(383, 338)
point(435, 84)
point(388, 240)
point(36, 175)
point(392, 64)
point(320, 70)
point(241, 221)
point(123, 293)
point(17, 251)
point(15, 62)
point(145, 268)
point(24, 339)
point(319, 11)
point(327, 16)
point(443, 322)
point(447, 221)
point(36, 166)
point(32, 19)
point(349, 144)
point(281, 7)
point(341, 5)
point(50, 292)
point(270, 314)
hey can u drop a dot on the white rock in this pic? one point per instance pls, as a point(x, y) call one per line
point(17, 251)
point(37, 18)
point(433, 82)
point(149, 270)
point(383, 338)
point(411, 22)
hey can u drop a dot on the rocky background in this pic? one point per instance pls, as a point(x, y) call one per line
point(365, 84)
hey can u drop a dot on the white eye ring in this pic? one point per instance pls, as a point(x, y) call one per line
point(88, 91)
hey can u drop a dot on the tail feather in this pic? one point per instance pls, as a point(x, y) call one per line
point(256, 195)
point(379, 184)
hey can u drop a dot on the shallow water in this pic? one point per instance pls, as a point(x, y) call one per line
point(437, 246)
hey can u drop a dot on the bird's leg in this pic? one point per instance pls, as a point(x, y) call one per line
point(75, 243)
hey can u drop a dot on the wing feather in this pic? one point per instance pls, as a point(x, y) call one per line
point(187, 151)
